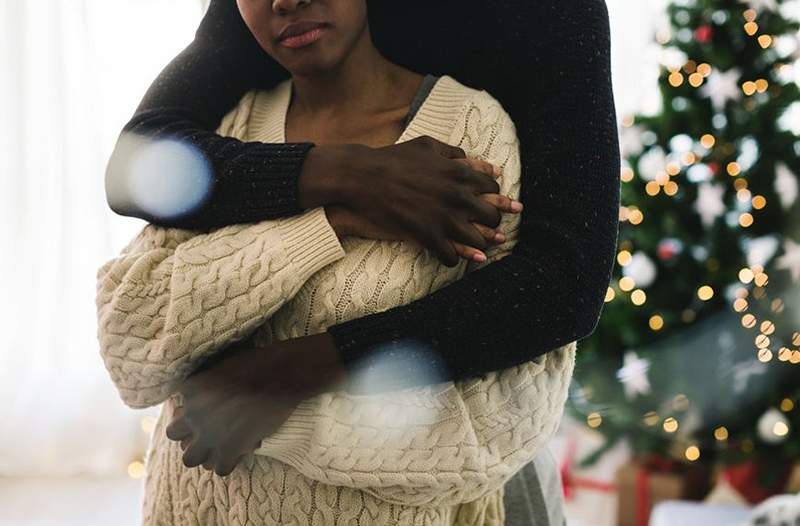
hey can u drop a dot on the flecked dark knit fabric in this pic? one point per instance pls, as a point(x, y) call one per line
point(548, 63)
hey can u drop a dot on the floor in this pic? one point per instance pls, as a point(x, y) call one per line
point(70, 502)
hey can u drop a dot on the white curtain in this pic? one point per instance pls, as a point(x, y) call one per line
point(71, 73)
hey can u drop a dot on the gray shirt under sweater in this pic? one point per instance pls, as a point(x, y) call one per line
point(533, 496)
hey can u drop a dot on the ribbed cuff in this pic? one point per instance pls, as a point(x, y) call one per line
point(262, 183)
point(310, 241)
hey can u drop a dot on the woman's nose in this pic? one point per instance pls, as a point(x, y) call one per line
point(287, 6)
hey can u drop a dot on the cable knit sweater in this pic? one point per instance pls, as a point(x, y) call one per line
point(433, 455)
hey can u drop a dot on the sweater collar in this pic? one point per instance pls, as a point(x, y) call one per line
point(436, 116)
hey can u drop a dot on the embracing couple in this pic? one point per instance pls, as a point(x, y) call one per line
point(359, 303)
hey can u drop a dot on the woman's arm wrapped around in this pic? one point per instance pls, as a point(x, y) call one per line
point(174, 297)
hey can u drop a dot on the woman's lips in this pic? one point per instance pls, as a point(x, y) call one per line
point(302, 40)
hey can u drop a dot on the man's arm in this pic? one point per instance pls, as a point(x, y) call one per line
point(249, 182)
point(550, 290)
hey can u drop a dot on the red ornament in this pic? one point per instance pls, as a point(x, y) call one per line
point(703, 34)
point(714, 166)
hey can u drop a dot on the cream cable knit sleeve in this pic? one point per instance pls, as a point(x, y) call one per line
point(173, 297)
point(450, 443)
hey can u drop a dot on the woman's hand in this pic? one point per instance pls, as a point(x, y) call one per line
point(421, 190)
point(245, 394)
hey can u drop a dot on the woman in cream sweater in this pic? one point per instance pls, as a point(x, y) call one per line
point(174, 299)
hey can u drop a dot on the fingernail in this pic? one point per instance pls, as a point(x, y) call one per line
point(516, 206)
point(479, 257)
point(497, 171)
point(499, 237)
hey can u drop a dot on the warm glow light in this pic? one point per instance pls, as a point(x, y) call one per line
point(704, 69)
point(624, 257)
point(671, 188)
point(761, 279)
point(746, 219)
point(627, 284)
point(707, 141)
point(675, 79)
point(721, 433)
point(759, 202)
point(751, 28)
point(673, 169)
point(744, 195)
point(652, 188)
point(626, 175)
point(767, 327)
point(748, 321)
point(780, 429)
point(746, 275)
point(638, 297)
point(784, 354)
point(705, 293)
point(692, 453)
point(749, 87)
point(762, 341)
point(670, 425)
point(787, 405)
point(656, 322)
point(740, 184)
point(733, 169)
point(136, 470)
point(762, 85)
point(696, 80)
point(636, 216)
point(594, 420)
point(610, 295)
point(650, 418)
point(740, 305)
point(750, 15)
point(765, 41)
point(796, 339)
point(764, 355)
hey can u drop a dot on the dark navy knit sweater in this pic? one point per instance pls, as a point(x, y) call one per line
point(546, 61)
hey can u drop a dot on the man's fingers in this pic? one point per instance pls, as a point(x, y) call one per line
point(491, 235)
point(482, 166)
point(195, 454)
point(442, 148)
point(210, 461)
point(503, 202)
point(469, 253)
point(226, 464)
point(179, 428)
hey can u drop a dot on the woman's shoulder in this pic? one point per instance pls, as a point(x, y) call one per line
point(256, 104)
point(476, 106)
point(469, 95)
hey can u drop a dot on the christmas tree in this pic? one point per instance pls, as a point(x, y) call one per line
point(697, 354)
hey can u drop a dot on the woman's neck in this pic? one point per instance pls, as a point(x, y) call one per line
point(364, 82)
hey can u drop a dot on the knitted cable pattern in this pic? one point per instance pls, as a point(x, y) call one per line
point(433, 455)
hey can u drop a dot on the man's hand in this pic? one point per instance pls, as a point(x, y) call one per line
point(246, 394)
point(348, 223)
point(419, 189)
